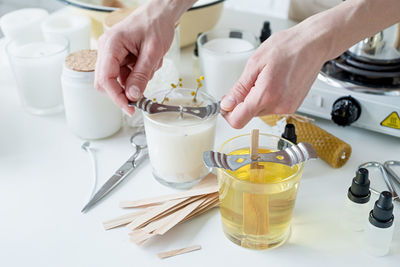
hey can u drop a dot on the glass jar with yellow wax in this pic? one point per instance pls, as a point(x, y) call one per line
point(256, 203)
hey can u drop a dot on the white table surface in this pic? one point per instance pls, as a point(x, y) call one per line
point(45, 180)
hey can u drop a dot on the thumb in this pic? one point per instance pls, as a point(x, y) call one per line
point(140, 76)
point(241, 88)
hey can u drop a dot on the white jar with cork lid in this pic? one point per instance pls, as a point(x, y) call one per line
point(90, 113)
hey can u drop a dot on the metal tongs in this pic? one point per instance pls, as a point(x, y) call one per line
point(290, 157)
point(388, 174)
point(152, 107)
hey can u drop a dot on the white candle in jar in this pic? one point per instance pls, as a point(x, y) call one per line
point(222, 61)
point(37, 69)
point(75, 28)
point(176, 144)
point(23, 23)
point(90, 113)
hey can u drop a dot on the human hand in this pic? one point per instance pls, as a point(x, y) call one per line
point(276, 78)
point(130, 53)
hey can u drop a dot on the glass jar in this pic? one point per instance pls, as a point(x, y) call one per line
point(176, 143)
point(256, 205)
point(37, 69)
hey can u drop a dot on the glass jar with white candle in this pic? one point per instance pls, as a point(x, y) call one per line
point(23, 23)
point(76, 28)
point(37, 70)
point(90, 113)
point(223, 55)
point(176, 142)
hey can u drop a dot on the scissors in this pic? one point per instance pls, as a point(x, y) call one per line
point(138, 141)
point(388, 174)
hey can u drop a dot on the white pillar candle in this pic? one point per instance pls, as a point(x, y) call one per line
point(75, 28)
point(37, 69)
point(90, 113)
point(176, 144)
point(223, 58)
point(23, 23)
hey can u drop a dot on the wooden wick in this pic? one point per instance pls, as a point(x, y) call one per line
point(175, 252)
point(255, 206)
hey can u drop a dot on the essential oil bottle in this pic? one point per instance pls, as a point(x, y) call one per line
point(356, 206)
point(379, 230)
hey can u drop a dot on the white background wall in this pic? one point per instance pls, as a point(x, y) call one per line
point(278, 8)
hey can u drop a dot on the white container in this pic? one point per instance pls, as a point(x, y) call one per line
point(378, 240)
point(75, 28)
point(223, 55)
point(90, 113)
point(37, 69)
point(23, 24)
point(176, 144)
point(355, 215)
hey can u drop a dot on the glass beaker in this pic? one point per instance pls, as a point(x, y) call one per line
point(176, 142)
point(256, 204)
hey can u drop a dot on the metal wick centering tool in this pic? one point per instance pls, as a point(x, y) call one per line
point(290, 156)
point(152, 107)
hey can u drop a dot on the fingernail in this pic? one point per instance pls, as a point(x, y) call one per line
point(228, 102)
point(127, 112)
point(134, 92)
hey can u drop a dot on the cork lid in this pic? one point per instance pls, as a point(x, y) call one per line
point(83, 60)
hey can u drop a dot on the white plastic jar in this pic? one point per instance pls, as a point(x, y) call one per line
point(90, 113)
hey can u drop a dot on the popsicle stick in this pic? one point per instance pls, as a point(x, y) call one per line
point(122, 220)
point(179, 216)
point(173, 209)
point(199, 211)
point(255, 206)
point(176, 252)
point(157, 210)
point(160, 199)
point(160, 227)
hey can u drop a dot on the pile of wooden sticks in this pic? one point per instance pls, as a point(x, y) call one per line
point(160, 214)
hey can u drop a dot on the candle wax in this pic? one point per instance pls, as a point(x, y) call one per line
point(176, 145)
point(222, 62)
point(37, 67)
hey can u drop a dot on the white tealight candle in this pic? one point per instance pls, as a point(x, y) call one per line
point(37, 69)
point(23, 23)
point(176, 144)
point(223, 58)
point(75, 28)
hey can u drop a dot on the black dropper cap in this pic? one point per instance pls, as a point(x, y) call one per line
point(359, 189)
point(196, 47)
point(289, 134)
point(382, 214)
point(265, 31)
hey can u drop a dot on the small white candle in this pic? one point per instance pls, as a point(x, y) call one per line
point(75, 28)
point(176, 144)
point(23, 23)
point(37, 69)
point(222, 61)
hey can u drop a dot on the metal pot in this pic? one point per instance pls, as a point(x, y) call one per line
point(382, 48)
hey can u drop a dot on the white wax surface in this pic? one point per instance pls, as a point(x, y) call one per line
point(23, 23)
point(176, 145)
point(228, 45)
point(37, 69)
point(73, 27)
point(222, 62)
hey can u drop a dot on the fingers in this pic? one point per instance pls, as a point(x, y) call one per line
point(244, 111)
point(142, 72)
point(242, 87)
point(107, 76)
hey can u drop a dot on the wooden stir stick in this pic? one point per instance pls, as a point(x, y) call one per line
point(255, 206)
